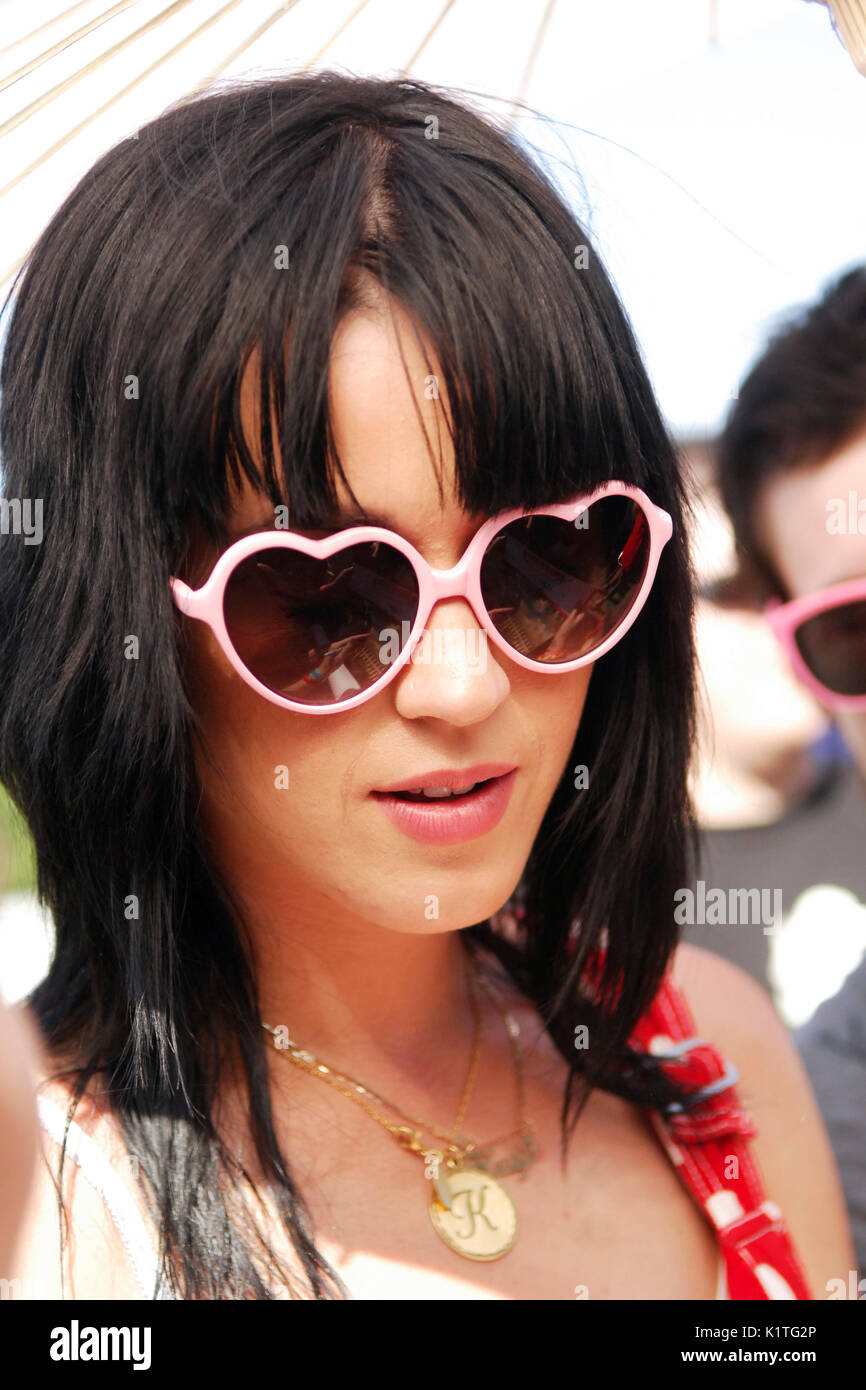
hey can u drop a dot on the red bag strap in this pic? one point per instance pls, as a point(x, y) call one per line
point(708, 1144)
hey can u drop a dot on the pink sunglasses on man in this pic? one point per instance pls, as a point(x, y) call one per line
point(320, 626)
point(824, 634)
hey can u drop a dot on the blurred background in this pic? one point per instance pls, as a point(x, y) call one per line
point(713, 149)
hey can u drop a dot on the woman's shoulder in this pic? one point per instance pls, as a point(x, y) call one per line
point(89, 1114)
point(734, 1013)
point(95, 1260)
point(711, 980)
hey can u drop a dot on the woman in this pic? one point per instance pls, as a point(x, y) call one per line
point(286, 310)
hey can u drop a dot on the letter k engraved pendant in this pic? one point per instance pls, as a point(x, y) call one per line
point(473, 1214)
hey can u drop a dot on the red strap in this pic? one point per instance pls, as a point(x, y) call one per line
point(709, 1146)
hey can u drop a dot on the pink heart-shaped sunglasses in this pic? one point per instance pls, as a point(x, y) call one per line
point(320, 626)
point(824, 635)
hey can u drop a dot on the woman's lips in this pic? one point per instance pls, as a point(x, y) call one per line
point(454, 819)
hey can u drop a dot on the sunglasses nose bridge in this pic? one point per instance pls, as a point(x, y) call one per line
point(457, 582)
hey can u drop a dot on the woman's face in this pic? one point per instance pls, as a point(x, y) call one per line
point(322, 848)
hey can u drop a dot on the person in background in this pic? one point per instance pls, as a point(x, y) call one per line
point(792, 476)
point(777, 796)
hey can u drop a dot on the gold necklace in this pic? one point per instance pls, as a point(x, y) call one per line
point(469, 1209)
point(480, 1155)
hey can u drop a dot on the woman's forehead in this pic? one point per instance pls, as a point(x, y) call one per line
point(387, 415)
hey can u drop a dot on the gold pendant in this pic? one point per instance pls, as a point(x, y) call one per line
point(473, 1214)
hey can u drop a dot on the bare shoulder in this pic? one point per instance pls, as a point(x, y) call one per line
point(737, 1015)
point(94, 1260)
point(732, 1010)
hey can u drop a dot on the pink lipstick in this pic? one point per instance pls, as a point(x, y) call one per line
point(451, 805)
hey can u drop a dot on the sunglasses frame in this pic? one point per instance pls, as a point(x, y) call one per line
point(463, 580)
point(786, 617)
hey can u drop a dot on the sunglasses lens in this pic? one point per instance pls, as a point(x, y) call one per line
point(556, 589)
point(321, 631)
point(833, 646)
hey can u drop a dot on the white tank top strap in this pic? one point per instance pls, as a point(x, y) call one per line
point(99, 1172)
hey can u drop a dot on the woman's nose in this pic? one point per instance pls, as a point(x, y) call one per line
point(454, 672)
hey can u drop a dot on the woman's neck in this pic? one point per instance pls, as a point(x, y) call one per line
point(362, 995)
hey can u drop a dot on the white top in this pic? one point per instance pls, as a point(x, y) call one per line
point(101, 1175)
point(99, 1172)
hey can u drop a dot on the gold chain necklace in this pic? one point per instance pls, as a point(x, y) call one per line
point(469, 1209)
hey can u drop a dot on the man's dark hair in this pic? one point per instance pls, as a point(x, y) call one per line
point(804, 400)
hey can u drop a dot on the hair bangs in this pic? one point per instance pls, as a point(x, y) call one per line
point(530, 353)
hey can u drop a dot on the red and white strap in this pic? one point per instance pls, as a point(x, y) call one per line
point(708, 1145)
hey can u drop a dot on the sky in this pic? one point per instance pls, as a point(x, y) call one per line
point(714, 151)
